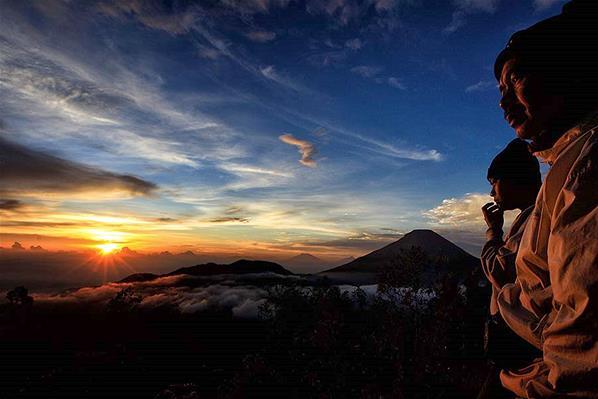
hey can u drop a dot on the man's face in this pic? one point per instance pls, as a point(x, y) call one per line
point(503, 193)
point(528, 107)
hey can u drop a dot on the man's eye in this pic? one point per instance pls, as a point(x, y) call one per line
point(515, 78)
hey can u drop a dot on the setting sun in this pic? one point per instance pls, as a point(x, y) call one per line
point(108, 248)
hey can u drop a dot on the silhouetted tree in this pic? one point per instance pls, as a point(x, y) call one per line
point(407, 269)
point(19, 297)
point(126, 300)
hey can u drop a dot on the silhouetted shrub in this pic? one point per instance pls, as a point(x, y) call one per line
point(403, 342)
point(124, 301)
point(19, 297)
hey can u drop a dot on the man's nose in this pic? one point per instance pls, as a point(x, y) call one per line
point(492, 192)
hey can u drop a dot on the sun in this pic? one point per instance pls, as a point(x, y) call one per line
point(107, 248)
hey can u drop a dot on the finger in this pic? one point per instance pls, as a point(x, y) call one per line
point(493, 208)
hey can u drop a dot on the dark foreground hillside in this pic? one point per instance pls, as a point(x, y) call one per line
point(320, 341)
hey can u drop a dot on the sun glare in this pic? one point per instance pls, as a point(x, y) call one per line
point(108, 248)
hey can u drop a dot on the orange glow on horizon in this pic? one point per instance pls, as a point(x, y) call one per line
point(108, 248)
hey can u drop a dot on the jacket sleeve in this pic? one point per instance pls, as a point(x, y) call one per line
point(498, 262)
point(570, 343)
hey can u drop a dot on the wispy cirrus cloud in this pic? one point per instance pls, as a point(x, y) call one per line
point(546, 4)
point(464, 8)
point(345, 12)
point(261, 36)
point(68, 98)
point(396, 83)
point(240, 168)
point(354, 44)
point(271, 73)
point(482, 85)
point(306, 149)
point(367, 71)
point(374, 73)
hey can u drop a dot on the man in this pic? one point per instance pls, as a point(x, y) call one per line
point(548, 78)
point(515, 178)
point(514, 175)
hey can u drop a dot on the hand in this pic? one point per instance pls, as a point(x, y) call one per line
point(493, 215)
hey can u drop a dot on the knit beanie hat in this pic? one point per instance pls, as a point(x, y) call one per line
point(515, 163)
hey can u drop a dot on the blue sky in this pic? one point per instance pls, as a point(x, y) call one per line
point(253, 127)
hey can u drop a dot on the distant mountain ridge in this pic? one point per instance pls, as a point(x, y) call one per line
point(242, 266)
point(433, 244)
point(304, 258)
point(311, 264)
point(445, 257)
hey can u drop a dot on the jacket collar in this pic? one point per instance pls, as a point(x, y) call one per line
point(551, 154)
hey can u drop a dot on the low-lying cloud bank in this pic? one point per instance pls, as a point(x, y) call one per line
point(241, 295)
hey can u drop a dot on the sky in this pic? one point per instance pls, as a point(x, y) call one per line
point(249, 128)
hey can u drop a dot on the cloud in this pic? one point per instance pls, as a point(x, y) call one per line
point(396, 83)
point(345, 12)
point(354, 44)
point(250, 169)
point(112, 108)
point(467, 7)
point(30, 172)
point(154, 14)
point(546, 4)
point(233, 210)
point(242, 300)
point(373, 72)
point(459, 211)
point(367, 71)
point(270, 72)
point(364, 142)
point(384, 5)
point(261, 36)
point(249, 309)
point(458, 20)
point(488, 6)
point(10, 204)
point(208, 52)
point(254, 6)
point(328, 58)
point(482, 85)
point(364, 241)
point(306, 149)
point(462, 212)
point(230, 219)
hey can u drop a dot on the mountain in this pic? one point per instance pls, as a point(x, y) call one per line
point(239, 267)
point(344, 260)
point(304, 259)
point(209, 269)
point(306, 263)
point(433, 244)
point(139, 277)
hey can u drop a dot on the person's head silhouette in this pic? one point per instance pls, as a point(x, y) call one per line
point(514, 175)
point(548, 74)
